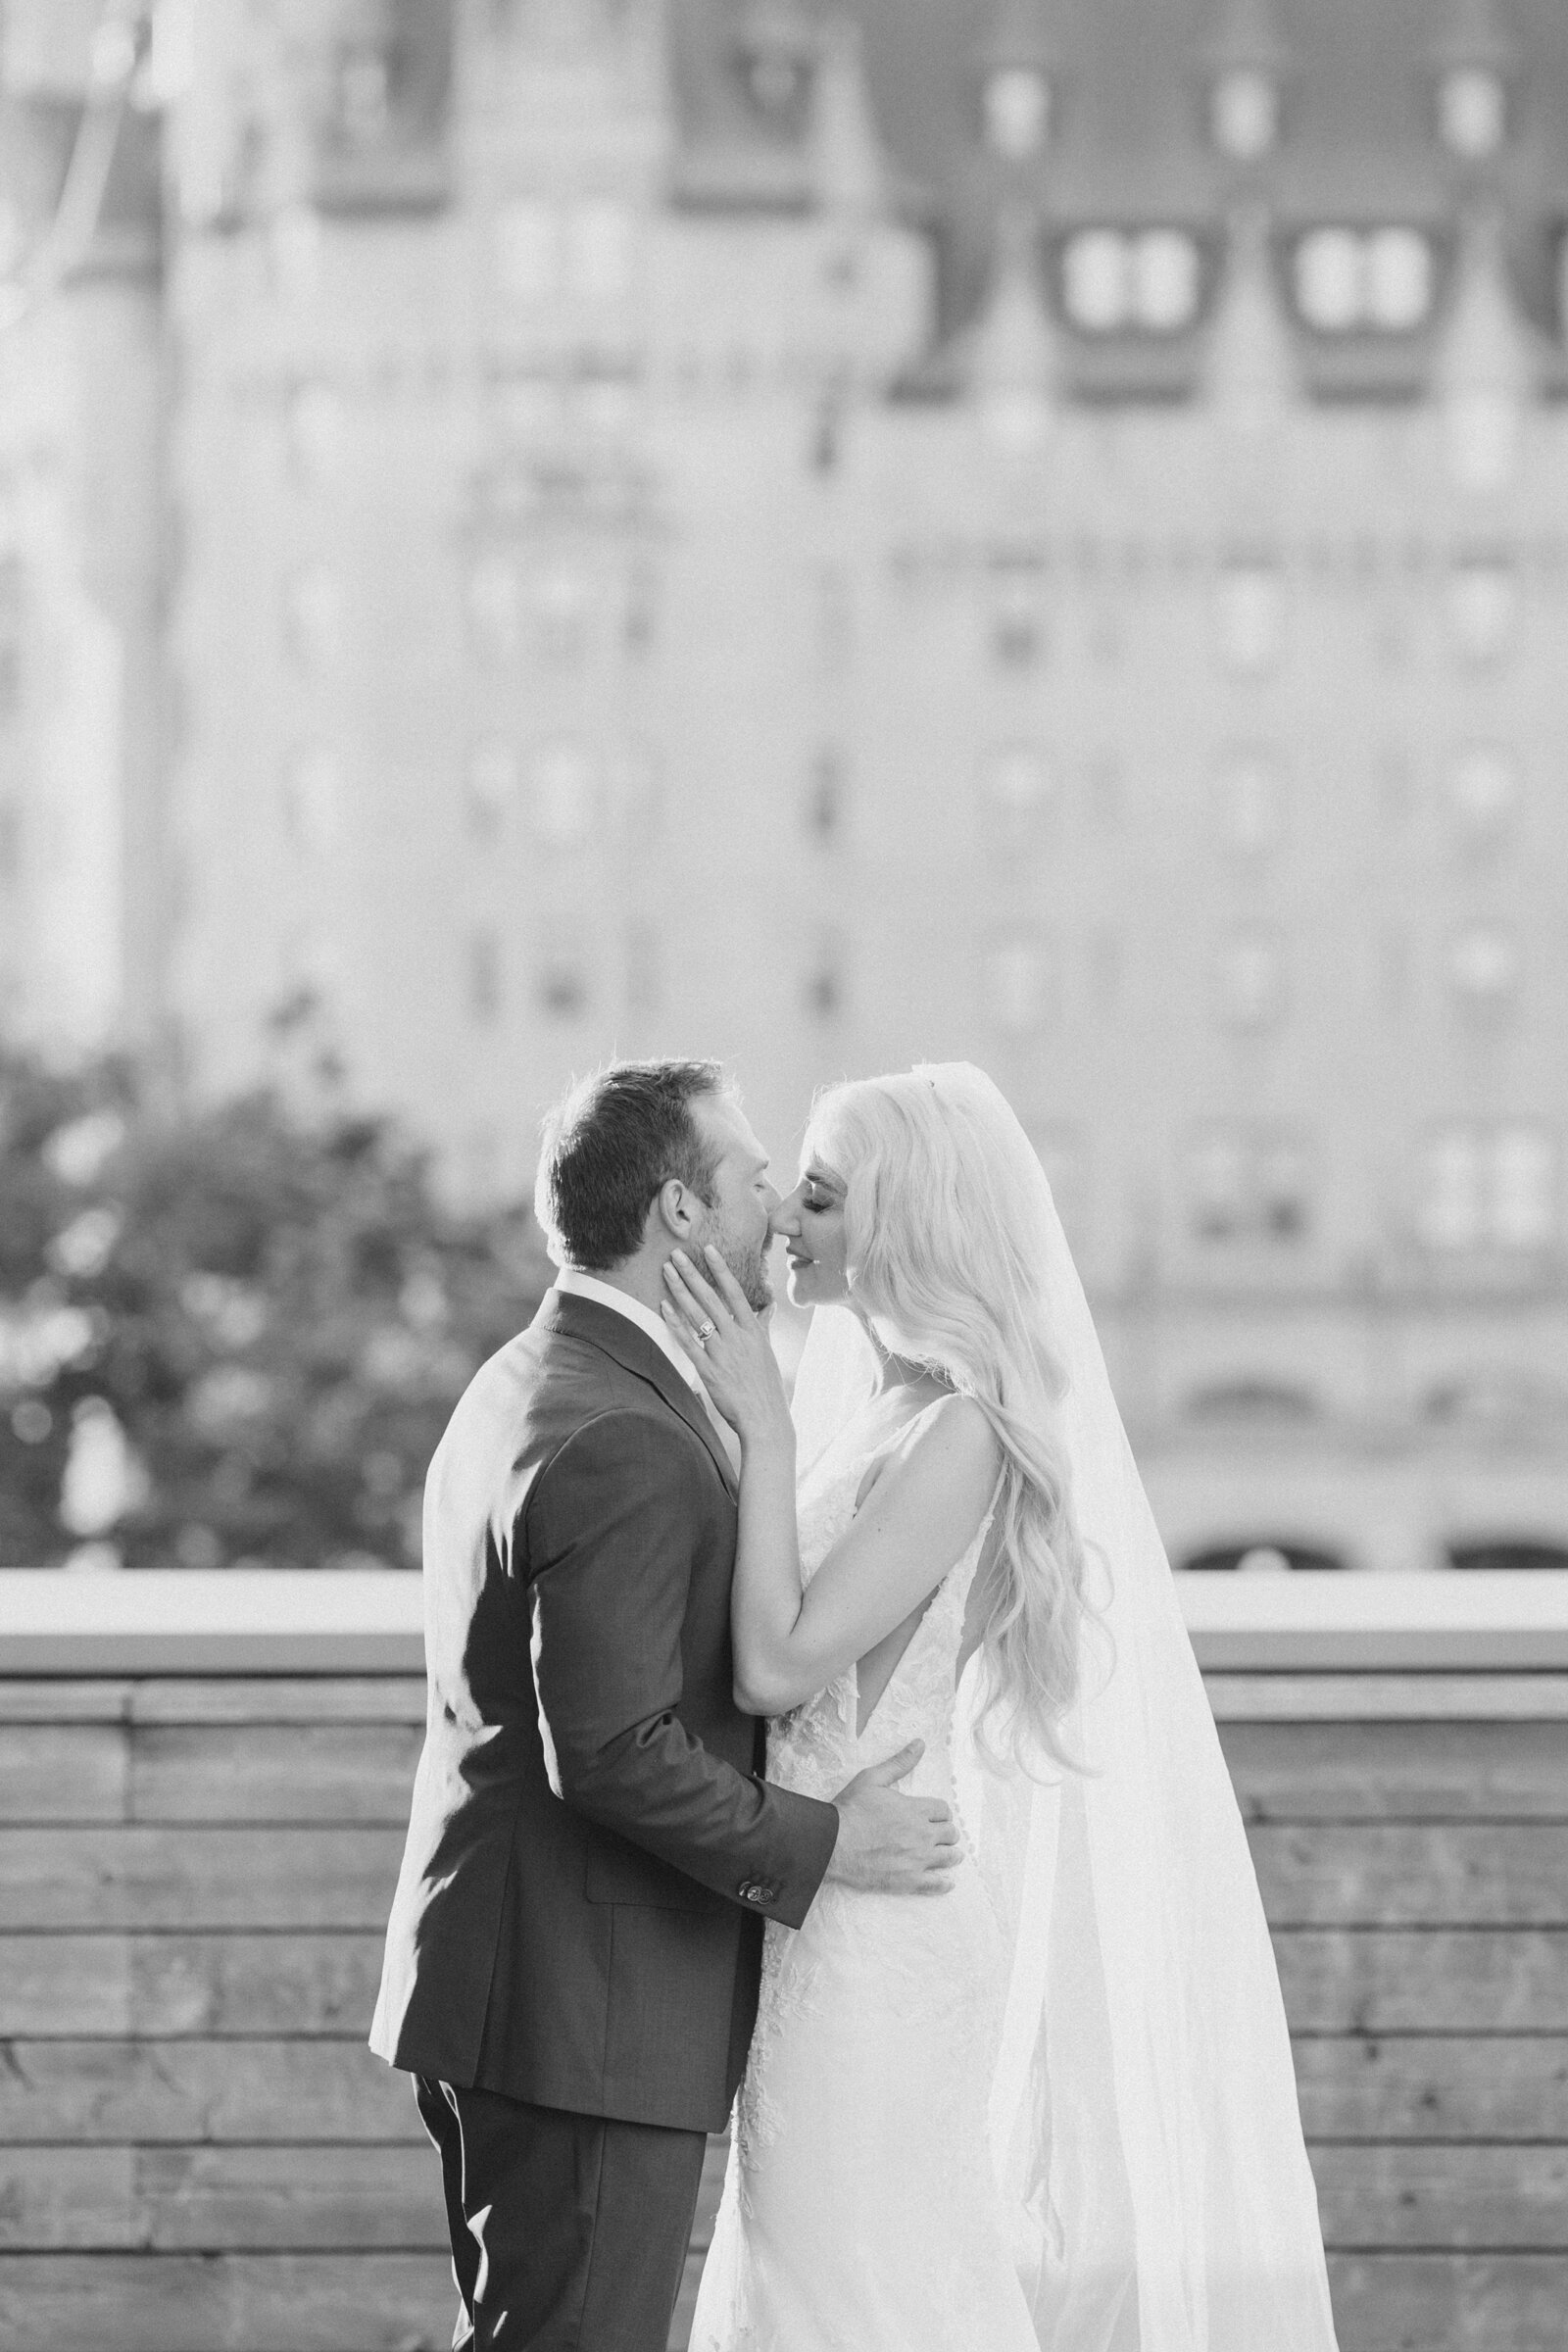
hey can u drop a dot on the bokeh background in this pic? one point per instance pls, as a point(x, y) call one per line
point(816, 533)
point(819, 532)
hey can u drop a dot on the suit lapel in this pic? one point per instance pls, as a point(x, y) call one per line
point(619, 1337)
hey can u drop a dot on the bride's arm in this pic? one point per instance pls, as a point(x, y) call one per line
point(918, 1518)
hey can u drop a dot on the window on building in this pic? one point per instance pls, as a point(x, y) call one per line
point(1138, 281)
point(1400, 280)
point(1329, 280)
point(1484, 967)
point(562, 987)
point(640, 613)
point(1097, 281)
point(826, 979)
point(1017, 779)
point(1017, 619)
point(1017, 111)
point(1484, 792)
point(1489, 1187)
point(774, 57)
point(1252, 978)
point(1472, 111)
point(491, 786)
point(1452, 1190)
point(1523, 1188)
point(1217, 1186)
point(827, 794)
point(1244, 114)
point(1365, 280)
point(1018, 984)
point(1280, 1189)
point(1483, 609)
point(1247, 1184)
point(362, 92)
point(494, 595)
point(1249, 618)
point(563, 792)
point(484, 979)
point(1250, 800)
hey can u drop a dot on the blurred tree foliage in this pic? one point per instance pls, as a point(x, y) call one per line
point(236, 1335)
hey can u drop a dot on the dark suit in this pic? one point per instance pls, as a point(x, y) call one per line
point(592, 1850)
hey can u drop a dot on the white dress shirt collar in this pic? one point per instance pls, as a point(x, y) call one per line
point(578, 1285)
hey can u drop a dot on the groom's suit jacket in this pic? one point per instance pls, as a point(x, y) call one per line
point(592, 1849)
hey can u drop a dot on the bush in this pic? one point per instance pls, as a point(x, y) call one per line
point(234, 1335)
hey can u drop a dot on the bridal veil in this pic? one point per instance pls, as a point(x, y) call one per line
point(1145, 2129)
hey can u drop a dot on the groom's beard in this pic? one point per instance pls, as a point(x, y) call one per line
point(748, 1262)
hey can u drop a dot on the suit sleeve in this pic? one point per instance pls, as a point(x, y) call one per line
point(607, 1530)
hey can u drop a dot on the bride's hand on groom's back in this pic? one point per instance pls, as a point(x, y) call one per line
point(894, 1845)
point(727, 1341)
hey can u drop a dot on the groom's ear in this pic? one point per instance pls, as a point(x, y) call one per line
point(675, 1211)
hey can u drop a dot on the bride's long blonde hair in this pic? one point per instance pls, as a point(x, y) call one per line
point(943, 1256)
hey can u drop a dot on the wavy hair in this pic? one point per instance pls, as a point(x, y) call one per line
point(945, 1260)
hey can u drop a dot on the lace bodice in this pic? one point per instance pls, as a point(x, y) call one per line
point(860, 2209)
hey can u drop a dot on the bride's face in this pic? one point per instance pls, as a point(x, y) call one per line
point(811, 1224)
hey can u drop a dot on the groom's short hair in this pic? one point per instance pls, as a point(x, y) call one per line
point(609, 1143)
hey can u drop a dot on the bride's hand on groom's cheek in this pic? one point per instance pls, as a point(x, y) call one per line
point(727, 1341)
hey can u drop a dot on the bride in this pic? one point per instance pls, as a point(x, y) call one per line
point(1050, 2109)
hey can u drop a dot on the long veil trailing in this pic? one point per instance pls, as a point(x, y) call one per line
point(1145, 2129)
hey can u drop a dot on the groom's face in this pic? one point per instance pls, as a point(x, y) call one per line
point(738, 1223)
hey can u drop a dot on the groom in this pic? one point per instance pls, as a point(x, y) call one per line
point(572, 1958)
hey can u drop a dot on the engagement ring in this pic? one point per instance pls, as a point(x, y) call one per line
point(706, 1331)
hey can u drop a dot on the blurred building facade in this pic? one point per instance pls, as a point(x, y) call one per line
point(830, 534)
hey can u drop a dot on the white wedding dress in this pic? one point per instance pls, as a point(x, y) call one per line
point(1053, 2110)
point(861, 2213)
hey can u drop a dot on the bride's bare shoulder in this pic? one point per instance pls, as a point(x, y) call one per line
point(948, 1447)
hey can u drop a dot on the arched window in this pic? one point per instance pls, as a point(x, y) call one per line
point(1263, 1555)
point(1256, 1399)
point(1509, 1551)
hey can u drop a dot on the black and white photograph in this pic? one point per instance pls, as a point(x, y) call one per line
point(784, 1175)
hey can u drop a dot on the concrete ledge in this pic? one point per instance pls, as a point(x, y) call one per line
point(235, 1621)
point(294, 1621)
point(1388, 1621)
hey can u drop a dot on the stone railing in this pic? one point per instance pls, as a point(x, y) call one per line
point(202, 1787)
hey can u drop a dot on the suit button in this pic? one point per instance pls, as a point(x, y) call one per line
point(749, 1891)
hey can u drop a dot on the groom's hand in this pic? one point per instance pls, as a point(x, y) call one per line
point(893, 1844)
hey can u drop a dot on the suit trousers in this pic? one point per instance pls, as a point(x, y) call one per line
point(568, 2231)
